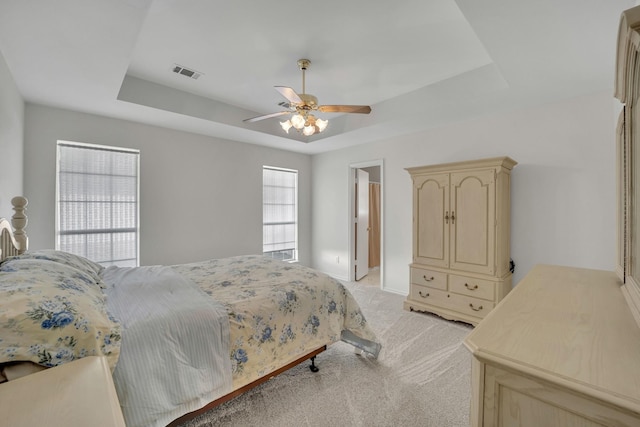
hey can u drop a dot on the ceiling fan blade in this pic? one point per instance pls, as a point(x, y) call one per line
point(266, 116)
point(290, 94)
point(361, 109)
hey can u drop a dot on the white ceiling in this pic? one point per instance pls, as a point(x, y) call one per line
point(418, 63)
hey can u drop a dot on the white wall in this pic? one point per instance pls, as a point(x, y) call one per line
point(563, 189)
point(563, 192)
point(11, 139)
point(200, 197)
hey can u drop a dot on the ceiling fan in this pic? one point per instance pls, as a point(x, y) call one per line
point(301, 106)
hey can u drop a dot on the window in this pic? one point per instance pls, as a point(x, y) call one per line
point(97, 203)
point(280, 213)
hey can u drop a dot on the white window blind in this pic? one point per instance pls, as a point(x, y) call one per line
point(97, 203)
point(280, 213)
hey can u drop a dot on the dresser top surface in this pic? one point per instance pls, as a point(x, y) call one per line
point(566, 325)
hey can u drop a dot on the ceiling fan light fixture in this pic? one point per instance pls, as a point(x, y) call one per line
point(286, 125)
point(305, 123)
point(301, 106)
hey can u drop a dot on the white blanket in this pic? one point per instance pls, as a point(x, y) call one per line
point(175, 344)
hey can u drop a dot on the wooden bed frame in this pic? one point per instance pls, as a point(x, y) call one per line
point(241, 390)
point(14, 241)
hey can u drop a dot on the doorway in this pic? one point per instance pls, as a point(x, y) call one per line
point(366, 257)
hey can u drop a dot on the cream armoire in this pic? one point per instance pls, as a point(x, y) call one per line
point(461, 221)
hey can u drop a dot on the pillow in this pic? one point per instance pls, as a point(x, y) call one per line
point(76, 261)
point(61, 273)
point(49, 315)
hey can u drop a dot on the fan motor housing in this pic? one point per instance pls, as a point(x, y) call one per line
point(308, 101)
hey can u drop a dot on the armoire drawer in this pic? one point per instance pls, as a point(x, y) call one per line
point(460, 303)
point(428, 295)
point(433, 279)
point(477, 288)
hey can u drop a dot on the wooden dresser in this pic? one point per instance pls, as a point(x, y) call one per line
point(461, 223)
point(562, 349)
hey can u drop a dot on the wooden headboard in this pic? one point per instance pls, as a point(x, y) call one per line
point(13, 239)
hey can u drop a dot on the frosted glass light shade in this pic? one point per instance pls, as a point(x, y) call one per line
point(286, 125)
point(298, 121)
point(309, 130)
point(322, 124)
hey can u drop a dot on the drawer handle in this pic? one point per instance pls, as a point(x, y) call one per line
point(428, 280)
point(466, 285)
point(423, 295)
point(475, 309)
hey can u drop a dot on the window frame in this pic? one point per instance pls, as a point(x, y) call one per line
point(136, 229)
point(295, 172)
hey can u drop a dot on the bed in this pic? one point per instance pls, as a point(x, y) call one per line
point(179, 339)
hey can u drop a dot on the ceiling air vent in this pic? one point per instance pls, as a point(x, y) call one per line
point(179, 69)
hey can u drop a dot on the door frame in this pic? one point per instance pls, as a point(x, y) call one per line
point(351, 216)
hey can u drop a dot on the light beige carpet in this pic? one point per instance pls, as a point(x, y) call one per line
point(421, 378)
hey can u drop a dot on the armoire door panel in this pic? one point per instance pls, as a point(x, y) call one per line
point(431, 198)
point(473, 229)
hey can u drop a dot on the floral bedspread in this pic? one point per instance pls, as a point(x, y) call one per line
point(278, 311)
point(51, 313)
point(53, 310)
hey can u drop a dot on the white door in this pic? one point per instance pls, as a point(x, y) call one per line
point(362, 224)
